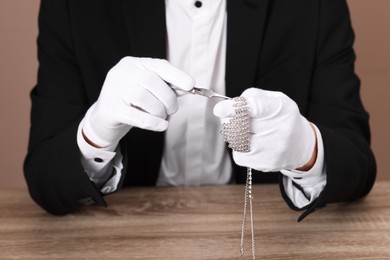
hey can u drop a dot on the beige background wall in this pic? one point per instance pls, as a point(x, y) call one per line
point(18, 65)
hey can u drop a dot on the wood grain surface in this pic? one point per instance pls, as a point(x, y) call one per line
point(194, 223)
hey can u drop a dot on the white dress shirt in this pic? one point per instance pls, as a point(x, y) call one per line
point(194, 152)
point(197, 45)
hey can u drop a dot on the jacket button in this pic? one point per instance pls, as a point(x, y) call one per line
point(87, 201)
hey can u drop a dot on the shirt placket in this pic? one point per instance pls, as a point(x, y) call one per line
point(196, 117)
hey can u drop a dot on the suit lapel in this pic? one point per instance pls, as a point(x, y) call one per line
point(245, 29)
point(146, 26)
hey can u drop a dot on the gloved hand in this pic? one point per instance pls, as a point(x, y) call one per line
point(281, 139)
point(135, 94)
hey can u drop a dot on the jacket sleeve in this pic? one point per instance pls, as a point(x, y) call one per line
point(52, 167)
point(336, 108)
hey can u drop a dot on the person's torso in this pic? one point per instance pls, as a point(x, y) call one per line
point(269, 44)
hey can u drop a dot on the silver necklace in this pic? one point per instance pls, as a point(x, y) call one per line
point(237, 134)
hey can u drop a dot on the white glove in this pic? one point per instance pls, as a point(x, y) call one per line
point(281, 139)
point(135, 93)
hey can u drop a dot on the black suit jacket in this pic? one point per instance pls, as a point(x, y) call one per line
point(302, 48)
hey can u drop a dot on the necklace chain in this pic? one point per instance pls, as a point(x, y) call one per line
point(248, 196)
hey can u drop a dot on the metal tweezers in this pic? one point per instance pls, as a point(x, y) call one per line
point(207, 93)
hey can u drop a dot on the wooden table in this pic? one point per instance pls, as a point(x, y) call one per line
point(195, 223)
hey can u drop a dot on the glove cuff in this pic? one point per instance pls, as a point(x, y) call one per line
point(97, 133)
point(308, 142)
